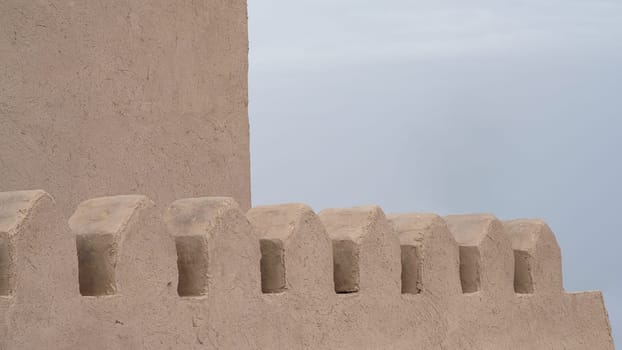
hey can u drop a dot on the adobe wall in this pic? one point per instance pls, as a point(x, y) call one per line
point(126, 273)
point(107, 97)
point(150, 97)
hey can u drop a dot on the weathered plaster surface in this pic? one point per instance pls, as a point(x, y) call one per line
point(149, 99)
point(111, 97)
point(45, 309)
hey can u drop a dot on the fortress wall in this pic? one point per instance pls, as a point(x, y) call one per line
point(138, 97)
point(126, 273)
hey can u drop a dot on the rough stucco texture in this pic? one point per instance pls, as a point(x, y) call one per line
point(124, 273)
point(102, 98)
point(110, 97)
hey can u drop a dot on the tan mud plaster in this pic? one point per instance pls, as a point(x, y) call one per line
point(133, 115)
point(134, 275)
point(128, 274)
point(124, 97)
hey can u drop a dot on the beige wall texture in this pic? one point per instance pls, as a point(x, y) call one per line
point(110, 97)
point(126, 273)
point(149, 99)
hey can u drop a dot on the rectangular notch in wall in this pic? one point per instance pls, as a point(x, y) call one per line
point(192, 264)
point(470, 269)
point(97, 261)
point(523, 281)
point(346, 266)
point(272, 266)
point(411, 270)
point(5, 265)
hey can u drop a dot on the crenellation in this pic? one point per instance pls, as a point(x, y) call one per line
point(537, 255)
point(231, 248)
point(304, 265)
point(437, 250)
point(193, 274)
point(133, 116)
point(109, 232)
point(106, 215)
point(486, 256)
point(366, 250)
point(41, 268)
point(15, 208)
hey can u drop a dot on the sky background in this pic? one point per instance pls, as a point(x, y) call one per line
point(509, 107)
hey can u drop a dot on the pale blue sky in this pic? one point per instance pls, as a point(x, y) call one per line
point(513, 108)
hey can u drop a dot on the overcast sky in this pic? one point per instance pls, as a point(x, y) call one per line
point(508, 107)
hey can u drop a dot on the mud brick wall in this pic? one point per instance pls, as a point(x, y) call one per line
point(126, 273)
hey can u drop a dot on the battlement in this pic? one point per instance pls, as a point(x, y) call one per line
point(151, 97)
point(124, 272)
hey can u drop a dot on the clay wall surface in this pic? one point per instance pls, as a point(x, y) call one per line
point(108, 97)
point(126, 273)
